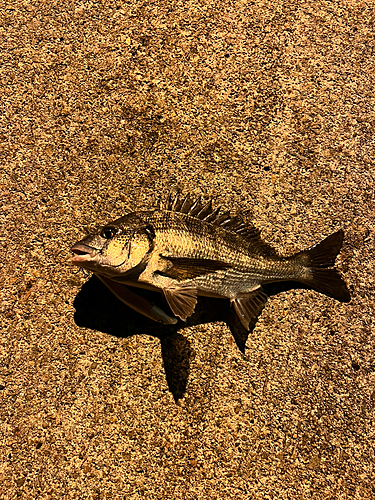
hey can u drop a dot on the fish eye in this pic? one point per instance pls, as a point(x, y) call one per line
point(108, 232)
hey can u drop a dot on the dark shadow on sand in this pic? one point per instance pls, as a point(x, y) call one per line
point(98, 309)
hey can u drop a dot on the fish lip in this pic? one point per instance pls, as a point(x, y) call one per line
point(83, 253)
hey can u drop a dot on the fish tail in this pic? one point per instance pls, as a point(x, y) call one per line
point(315, 261)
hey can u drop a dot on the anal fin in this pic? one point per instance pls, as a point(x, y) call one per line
point(249, 305)
point(182, 300)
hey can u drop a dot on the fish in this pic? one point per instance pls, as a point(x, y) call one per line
point(186, 249)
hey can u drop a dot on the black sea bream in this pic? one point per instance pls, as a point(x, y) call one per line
point(189, 249)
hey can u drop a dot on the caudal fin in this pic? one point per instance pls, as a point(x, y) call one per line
point(316, 260)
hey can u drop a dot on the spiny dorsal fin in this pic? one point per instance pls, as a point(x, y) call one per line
point(177, 203)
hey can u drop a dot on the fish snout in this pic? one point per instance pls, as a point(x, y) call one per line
point(83, 253)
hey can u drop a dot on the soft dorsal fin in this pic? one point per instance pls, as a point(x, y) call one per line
point(204, 211)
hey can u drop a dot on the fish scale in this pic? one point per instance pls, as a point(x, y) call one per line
point(188, 237)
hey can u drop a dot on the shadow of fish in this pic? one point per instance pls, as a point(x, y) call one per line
point(188, 249)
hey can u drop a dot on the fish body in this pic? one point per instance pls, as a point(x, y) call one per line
point(187, 249)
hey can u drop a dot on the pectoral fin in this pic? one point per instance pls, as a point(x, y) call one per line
point(249, 305)
point(137, 303)
point(181, 300)
point(185, 268)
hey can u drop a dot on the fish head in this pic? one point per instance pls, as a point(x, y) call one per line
point(117, 248)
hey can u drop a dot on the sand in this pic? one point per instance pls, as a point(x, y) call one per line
point(268, 108)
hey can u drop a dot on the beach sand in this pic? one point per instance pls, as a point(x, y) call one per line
point(266, 107)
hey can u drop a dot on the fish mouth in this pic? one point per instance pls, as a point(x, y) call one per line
point(83, 253)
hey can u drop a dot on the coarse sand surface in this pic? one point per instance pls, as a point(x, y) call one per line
point(268, 108)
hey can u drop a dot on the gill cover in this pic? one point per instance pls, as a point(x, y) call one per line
point(127, 248)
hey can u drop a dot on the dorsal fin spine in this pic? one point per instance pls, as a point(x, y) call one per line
point(222, 219)
point(186, 205)
point(212, 216)
point(168, 203)
point(175, 203)
point(196, 208)
point(207, 209)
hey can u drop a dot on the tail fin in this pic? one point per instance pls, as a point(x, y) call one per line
point(316, 259)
